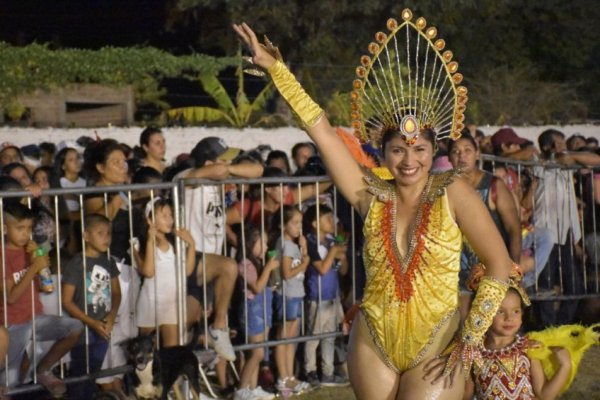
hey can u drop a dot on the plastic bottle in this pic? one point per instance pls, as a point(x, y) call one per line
point(275, 277)
point(46, 282)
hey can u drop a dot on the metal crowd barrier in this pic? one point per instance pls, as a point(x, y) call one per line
point(589, 271)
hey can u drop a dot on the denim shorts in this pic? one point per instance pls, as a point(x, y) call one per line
point(293, 307)
point(259, 307)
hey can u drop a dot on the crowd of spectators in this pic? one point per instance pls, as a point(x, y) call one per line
point(278, 255)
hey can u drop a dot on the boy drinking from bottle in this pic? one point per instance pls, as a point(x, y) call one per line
point(19, 284)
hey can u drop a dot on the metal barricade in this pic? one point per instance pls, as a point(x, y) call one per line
point(303, 191)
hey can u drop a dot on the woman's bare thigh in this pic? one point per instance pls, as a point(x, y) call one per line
point(370, 377)
point(412, 385)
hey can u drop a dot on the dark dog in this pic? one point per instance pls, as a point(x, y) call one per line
point(157, 370)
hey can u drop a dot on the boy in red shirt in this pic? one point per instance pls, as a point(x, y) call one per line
point(19, 269)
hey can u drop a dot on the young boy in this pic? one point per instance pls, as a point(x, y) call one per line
point(96, 304)
point(324, 312)
point(21, 290)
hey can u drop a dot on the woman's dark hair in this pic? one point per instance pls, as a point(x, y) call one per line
point(97, 153)
point(7, 169)
point(145, 137)
point(59, 162)
point(314, 167)
point(146, 175)
point(428, 133)
point(546, 141)
point(252, 235)
point(300, 145)
point(10, 184)
point(279, 155)
point(48, 170)
point(452, 143)
point(275, 225)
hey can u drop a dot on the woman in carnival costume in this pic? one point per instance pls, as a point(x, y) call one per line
point(406, 96)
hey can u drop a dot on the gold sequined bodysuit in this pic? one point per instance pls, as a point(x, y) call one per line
point(408, 299)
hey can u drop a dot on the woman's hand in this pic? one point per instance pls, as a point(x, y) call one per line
point(434, 371)
point(260, 55)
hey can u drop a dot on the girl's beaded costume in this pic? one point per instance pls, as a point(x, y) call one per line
point(504, 374)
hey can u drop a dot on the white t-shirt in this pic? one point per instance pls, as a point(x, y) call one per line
point(205, 216)
point(72, 205)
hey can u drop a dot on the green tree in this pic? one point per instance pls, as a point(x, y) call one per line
point(238, 112)
point(323, 40)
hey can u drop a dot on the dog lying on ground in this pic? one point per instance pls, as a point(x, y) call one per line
point(155, 371)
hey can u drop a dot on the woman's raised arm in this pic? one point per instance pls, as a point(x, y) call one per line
point(341, 166)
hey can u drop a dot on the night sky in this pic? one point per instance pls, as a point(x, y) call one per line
point(85, 23)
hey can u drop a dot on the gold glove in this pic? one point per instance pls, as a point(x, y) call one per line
point(307, 110)
point(489, 295)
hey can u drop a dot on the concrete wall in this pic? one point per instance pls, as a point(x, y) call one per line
point(182, 140)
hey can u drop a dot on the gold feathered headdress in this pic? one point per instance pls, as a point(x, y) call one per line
point(408, 83)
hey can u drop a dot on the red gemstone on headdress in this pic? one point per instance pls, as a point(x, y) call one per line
point(357, 84)
point(457, 78)
point(365, 61)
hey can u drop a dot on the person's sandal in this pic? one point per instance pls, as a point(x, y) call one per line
point(55, 386)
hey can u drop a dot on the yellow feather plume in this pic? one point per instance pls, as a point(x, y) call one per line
point(577, 339)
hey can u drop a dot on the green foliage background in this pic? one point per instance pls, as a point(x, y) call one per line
point(525, 62)
point(36, 66)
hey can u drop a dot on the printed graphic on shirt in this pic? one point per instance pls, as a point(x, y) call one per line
point(17, 276)
point(98, 289)
point(214, 214)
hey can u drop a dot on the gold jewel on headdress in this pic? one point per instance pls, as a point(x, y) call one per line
point(409, 86)
point(514, 280)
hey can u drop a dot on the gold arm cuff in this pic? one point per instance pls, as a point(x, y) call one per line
point(307, 110)
point(489, 295)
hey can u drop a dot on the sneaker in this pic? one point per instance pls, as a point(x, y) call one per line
point(298, 386)
point(55, 386)
point(244, 394)
point(282, 387)
point(313, 379)
point(334, 381)
point(218, 339)
point(261, 394)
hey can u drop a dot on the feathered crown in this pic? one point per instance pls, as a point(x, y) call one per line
point(514, 280)
point(409, 83)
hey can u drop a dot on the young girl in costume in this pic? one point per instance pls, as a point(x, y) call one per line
point(157, 304)
point(286, 234)
point(505, 370)
point(257, 319)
